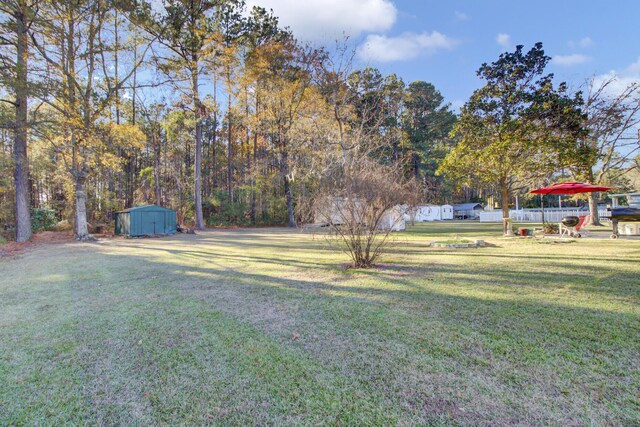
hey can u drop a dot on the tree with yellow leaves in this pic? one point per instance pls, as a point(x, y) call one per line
point(70, 38)
point(285, 72)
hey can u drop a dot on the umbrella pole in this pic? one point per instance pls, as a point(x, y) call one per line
point(542, 209)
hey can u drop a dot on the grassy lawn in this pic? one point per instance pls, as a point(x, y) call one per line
point(268, 327)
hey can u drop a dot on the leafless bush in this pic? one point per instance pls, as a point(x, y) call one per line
point(360, 204)
point(360, 199)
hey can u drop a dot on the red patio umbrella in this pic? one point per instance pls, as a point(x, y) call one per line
point(571, 188)
point(568, 188)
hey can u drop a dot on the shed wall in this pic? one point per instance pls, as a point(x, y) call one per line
point(122, 225)
point(146, 220)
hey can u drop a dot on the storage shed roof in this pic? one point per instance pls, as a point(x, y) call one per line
point(467, 206)
point(145, 208)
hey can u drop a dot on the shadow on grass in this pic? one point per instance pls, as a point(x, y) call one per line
point(240, 239)
point(412, 282)
point(512, 273)
point(463, 328)
point(481, 323)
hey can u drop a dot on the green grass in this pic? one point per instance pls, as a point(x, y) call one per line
point(266, 326)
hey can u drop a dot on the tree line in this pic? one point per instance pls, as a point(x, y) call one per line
point(220, 113)
point(232, 141)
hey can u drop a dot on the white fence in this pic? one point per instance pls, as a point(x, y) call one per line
point(535, 215)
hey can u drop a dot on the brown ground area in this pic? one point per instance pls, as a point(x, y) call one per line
point(44, 238)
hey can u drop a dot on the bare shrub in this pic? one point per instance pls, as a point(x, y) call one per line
point(361, 181)
point(360, 204)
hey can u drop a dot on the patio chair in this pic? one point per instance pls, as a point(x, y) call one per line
point(580, 228)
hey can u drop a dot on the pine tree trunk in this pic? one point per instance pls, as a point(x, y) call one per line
point(288, 191)
point(197, 177)
point(131, 173)
point(416, 166)
point(229, 156)
point(254, 172)
point(214, 167)
point(198, 154)
point(82, 228)
point(156, 173)
point(289, 195)
point(214, 161)
point(23, 214)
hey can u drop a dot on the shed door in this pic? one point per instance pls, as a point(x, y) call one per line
point(171, 221)
point(158, 222)
point(152, 222)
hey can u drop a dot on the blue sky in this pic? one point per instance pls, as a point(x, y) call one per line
point(444, 42)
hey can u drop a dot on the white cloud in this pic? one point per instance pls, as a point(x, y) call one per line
point(380, 48)
point(570, 60)
point(318, 19)
point(620, 80)
point(583, 43)
point(504, 40)
point(461, 16)
point(633, 69)
point(616, 83)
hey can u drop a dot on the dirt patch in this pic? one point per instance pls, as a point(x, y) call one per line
point(388, 269)
point(401, 270)
point(10, 249)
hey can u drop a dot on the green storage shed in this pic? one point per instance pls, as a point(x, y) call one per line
point(145, 220)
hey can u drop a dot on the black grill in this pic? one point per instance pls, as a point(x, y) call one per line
point(570, 221)
point(625, 214)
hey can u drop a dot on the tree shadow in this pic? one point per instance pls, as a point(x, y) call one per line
point(403, 326)
point(407, 279)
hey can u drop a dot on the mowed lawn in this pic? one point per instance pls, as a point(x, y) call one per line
point(267, 326)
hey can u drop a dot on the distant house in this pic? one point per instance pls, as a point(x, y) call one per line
point(467, 210)
point(446, 212)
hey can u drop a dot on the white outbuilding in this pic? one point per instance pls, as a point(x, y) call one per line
point(409, 212)
point(393, 219)
point(467, 211)
point(446, 212)
point(428, 213)
point(338, 211)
